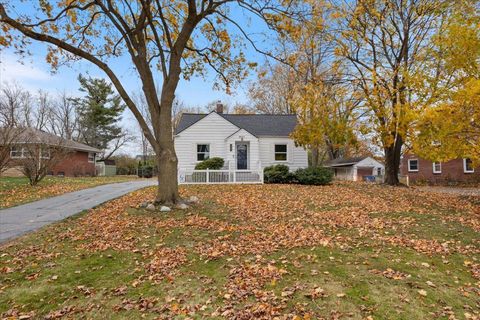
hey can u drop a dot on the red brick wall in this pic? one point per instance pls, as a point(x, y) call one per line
point(452, 172)
point(75, 164)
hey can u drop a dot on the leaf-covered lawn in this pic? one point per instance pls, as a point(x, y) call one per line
point(346, 251)
point(15, 191)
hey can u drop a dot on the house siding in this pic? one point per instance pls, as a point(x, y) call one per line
point(212, 130)
point(297, 157)
point(220, 133)
point(452, 172)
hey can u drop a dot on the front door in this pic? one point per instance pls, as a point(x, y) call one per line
point(242, 156)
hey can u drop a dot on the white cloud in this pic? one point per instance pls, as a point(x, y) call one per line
point(26, 71)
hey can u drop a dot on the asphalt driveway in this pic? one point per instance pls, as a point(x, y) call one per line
point(29, 217)
point(461, 191)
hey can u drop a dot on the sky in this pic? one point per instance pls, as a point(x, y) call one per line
point(33, 73)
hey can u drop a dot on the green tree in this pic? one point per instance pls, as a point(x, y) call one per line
point(99, 112)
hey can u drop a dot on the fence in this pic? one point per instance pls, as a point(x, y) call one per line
point(220, 176)
point(105, 170)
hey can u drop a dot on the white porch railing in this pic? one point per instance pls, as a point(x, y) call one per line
point(220, 176)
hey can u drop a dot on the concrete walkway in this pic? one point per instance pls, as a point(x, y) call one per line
point(32, 216)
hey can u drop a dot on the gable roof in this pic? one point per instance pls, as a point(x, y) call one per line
point(31, 135)
point(274, 125)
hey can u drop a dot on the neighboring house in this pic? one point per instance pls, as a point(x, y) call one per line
point(420, 170)
point(106, 168)
point(355, 169)
point(245, 142)
point(78, 161)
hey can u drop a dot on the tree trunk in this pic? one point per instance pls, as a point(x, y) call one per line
point(392, 162)
point(167, 192)
point(315, 156)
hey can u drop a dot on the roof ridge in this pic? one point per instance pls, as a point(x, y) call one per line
point(258, 114)
point(241, 114)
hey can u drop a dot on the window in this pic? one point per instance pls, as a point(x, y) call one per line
point(437, 167)
point(412, 165)
point(91, 157)
point(203, 152)
point(16, 152)
point(45, 153)
point(280, 152)
point(468, 166)
point(379, 171)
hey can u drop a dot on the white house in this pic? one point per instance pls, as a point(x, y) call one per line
point(355, 169)
point(244, 141)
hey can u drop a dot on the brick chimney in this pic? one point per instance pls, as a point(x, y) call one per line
point(219, 108)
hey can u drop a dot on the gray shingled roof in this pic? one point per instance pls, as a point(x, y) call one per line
point(344, 161)
point(31, 135)
point(257, 124)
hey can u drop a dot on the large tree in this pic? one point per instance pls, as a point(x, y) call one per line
point(311, 85)
point(387, 44)
point(272, 91)
point(99, 113)
point(174, 37)
point(451, 127)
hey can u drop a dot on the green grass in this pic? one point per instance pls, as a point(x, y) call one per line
point(17, 190)
point(352, 271)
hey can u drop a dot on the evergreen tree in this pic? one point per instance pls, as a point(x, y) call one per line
point(99, 112)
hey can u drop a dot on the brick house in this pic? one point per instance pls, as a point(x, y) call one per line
point(79, 158)
point(420, 170)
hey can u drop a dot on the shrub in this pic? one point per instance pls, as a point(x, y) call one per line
point(214, 163)
point(145, 171)
point(279, 173)
point(125, 164)
point(314, 176)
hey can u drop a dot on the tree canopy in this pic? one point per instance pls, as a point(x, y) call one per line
point(174, 38)
point(99, 112)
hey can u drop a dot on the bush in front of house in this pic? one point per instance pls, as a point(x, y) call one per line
point(278, 173)
point(314, 176)
point(214, 163)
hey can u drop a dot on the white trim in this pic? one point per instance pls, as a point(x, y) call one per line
point(465, 167)
point(196, 151)
point(409, 168)
point(21, 152)
point(433, 167)
point(275, 153)
point(91, 161)
point(247, 143)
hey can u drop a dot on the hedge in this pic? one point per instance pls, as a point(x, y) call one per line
point(214, 163)
point(280, 173)
point(314, 176)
